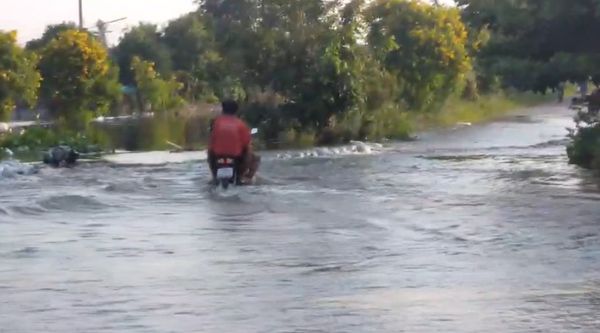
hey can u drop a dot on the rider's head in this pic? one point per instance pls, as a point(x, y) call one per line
point(230, 107)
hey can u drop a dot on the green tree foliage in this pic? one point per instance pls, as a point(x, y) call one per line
point(198, 65)
point(19, 78)
point(584, 149)
point(143, 41)
point(156, 93)
point(52, 31)
point(309, 66)
point(425, 46)
point(539, 45)
point(234, 60)
point(553, 40)
point(311, 56)
point(78, 80)
point(188, 39)
point(334, 85)
point(291, 48)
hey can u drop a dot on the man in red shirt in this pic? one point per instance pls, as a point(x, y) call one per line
point(230, 137)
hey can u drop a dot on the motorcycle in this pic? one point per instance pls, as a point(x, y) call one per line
point(227, 170)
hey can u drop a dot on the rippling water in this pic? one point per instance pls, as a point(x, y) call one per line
point(477, 229)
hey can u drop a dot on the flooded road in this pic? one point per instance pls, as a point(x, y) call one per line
point(475, 229)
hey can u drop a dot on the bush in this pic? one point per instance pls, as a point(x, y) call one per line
point(351, 126)
point(585, 146)
point(489, 84)
point(584, 149)
point(470, 91)
point(388, 123)
point(40, 138)
point(269, 120)
point(293, 138)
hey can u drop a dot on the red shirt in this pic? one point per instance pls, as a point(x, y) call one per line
point(229, 136)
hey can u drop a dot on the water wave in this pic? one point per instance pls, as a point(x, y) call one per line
point(12, 168)
point(354, 148)
point(71, 203)
point(166, 157)
point(456, 158)
point(26, 252)
point(28, 210)
point(552, 143)
point(123, 187)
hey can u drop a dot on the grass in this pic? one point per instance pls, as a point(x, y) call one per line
point(484, 108)
point(393, 124)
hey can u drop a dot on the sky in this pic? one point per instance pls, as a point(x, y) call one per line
point(30, 17)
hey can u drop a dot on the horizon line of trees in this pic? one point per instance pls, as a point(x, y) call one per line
point(292, 64)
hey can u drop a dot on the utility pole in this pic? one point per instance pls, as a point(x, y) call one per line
point(81, 14)
point(103, 29)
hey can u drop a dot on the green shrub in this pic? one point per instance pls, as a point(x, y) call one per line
point(40, 138)
point(584, 149)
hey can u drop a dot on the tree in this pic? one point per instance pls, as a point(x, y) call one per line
point(78, 80)
point(234, 23)
point(52, 31)
point(188, 39)
point(540, 44)
point(554, 38)
point(198, 64)
point(292, 49)
point(19, 78)
point(334, 83)
point(158, 94)
point(543, 27)
point(426, 47)
point(231, 14)
point(143, 41)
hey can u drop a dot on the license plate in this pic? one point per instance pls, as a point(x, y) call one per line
point(225, 173)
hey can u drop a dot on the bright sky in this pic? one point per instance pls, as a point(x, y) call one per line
point(30, 17)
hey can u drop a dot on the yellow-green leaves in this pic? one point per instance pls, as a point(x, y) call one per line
point(79, 81)
point(19, 78)
point(157, 94)
point(425, 46)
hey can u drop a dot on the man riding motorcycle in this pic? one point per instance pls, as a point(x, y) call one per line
point(230, 137)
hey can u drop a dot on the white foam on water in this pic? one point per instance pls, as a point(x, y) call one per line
point(12, 168)
point(166, 157)
point(232, 193)
point(154, 157)
point(354, 148)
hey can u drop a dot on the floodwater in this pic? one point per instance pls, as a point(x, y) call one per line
point(475, 229)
